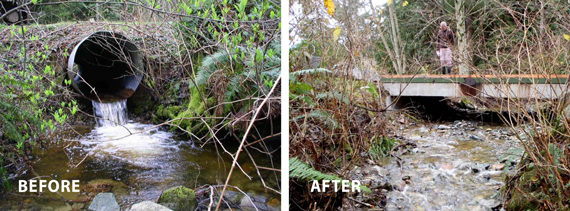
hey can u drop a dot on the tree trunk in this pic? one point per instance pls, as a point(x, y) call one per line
point(96, 11)
point(462, 42)
point(398, 49)
point(542, 26)
point(393, 31)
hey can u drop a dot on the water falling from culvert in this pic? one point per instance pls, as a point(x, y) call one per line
point(110, 114)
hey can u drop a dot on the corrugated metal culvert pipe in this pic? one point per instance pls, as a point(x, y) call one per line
point(105, 67)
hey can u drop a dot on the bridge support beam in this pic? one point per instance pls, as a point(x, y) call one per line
point(535, 91)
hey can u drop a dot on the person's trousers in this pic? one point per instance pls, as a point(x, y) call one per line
point(446, 60)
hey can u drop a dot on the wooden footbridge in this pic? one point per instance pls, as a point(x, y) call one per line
point(484, 86)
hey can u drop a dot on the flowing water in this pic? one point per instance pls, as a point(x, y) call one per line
point(139, 161)
point(454, 166)
point(110, 114)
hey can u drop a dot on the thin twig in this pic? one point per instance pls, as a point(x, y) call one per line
point(244, 138)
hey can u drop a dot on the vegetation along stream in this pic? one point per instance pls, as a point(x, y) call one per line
point(348, 60)
point(136, 162)
point(186, 105)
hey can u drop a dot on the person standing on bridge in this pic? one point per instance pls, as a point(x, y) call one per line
point(445, 40)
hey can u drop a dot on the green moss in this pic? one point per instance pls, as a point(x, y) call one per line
point(466, 103)
point(178, 192)
point(169, 111)
point(348, 148)
point(188, 115)
point(178, 198)
point(527, 189)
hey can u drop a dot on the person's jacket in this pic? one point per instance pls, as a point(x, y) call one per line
point(445, 39)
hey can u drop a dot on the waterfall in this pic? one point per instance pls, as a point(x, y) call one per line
point(110, 114)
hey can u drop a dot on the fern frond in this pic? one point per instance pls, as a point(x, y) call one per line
point(13, 114)
point(210, 64)
point(272, 73)
point(381, 147)
point(9, 129)
point(333, 95)
point(310, 71)
point(320, 115)
point(300, 88)
point(234, 87)
point(299, 169)
point(305, 99)
point(293, 75)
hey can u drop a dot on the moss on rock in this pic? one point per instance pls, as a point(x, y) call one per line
point(178, 198)
point(466, 103)
point(196, 107)
point(169, 111)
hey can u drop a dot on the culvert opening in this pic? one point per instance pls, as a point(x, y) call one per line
point(105, 67)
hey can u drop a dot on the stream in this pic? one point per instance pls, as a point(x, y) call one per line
point(453, 166)
point(138, 161)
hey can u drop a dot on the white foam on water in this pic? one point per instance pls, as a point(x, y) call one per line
point(134, 143)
